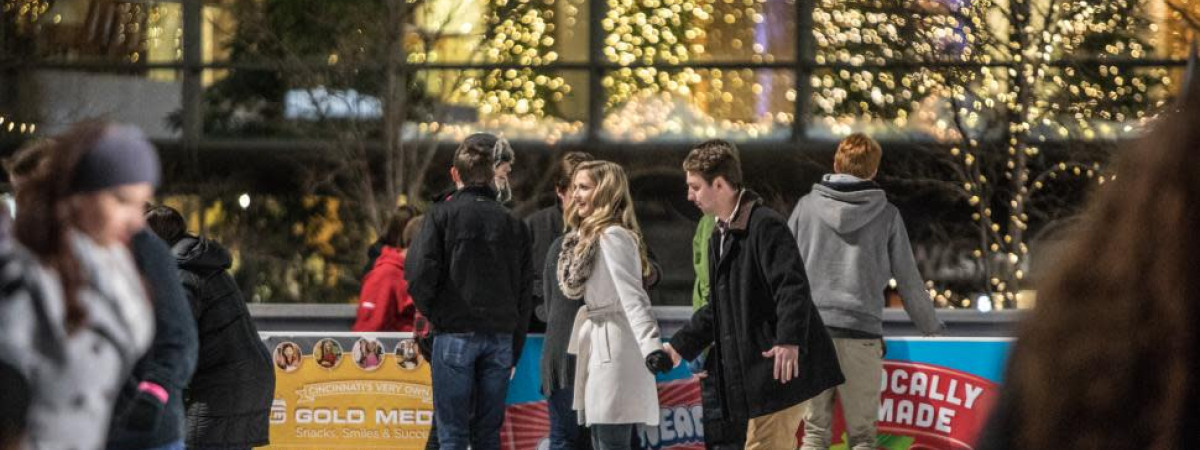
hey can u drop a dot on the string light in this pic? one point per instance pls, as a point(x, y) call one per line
point(521, 33)
point(639, 102)
point(994, 86)
point(1028, 98)
point(8, 125)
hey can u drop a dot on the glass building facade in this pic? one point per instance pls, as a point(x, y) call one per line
point(989, 102)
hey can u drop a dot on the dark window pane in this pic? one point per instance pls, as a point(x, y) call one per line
point(1099, 101)
point(95, 32)
point(274, 32)
point(62, 97)
point(294, 104)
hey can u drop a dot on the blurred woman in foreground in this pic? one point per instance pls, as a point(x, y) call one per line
point(1108, 358)
point(75, 315)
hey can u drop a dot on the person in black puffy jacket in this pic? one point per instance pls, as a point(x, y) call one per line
point(230, 396)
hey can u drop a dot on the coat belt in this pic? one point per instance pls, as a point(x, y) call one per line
point(588, 322)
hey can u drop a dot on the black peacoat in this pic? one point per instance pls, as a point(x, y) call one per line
point(759, 298)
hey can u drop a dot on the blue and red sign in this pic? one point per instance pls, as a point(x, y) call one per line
point(936, 393)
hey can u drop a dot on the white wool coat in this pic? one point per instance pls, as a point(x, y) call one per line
point(613, 334)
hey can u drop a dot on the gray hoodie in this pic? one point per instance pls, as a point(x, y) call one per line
point(853, 242)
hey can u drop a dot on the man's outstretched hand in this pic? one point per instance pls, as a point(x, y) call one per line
point(675, 358)
point(659, 362)
point(787, 364)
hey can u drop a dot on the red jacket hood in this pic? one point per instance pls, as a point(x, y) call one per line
point(390, 256)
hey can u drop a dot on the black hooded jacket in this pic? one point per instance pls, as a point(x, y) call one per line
point(230, 396)
point(139, 421)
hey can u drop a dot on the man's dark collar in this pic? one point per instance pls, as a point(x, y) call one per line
point(479, 191)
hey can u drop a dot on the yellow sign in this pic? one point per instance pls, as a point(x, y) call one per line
point(369, 397)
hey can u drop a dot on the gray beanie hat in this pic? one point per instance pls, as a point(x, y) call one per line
point(122, 156)
point(502, 153)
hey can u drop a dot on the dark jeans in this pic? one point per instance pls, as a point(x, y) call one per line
point(425, 345)
point(470, 382)
point(177, 445)
point(565, 431)
point(432, 442)
point(612, 436)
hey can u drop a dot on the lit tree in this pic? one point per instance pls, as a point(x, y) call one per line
point(1075, 102)
point(519, 32)
point(649, 32)
point(1000, 83)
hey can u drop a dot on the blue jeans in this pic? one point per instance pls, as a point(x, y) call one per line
point(612, 436)
point(470, 382)
point(177, 445)
point(564, 421)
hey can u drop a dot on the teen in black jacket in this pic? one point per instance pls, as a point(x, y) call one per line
point(453, 272)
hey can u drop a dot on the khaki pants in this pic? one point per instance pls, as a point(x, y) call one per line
point(862, 364)
point(775, 431)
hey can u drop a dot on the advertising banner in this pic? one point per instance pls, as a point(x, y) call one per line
point(349, 391)
point(936, 393)
point(353, 390)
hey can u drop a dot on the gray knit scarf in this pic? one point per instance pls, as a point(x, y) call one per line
point(575, 267)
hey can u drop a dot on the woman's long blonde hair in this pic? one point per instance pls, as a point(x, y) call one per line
point(611, 205)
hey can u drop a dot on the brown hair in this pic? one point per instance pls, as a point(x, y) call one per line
point(474, 159)
point(44, 220)
point(566, 167)
point(28, 159)
point(167, 223)
point(1108, 357)
point(858, 155)
point(411, 229)
point(715, 158)
point(393, 230)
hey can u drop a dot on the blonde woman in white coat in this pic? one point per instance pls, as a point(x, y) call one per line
point(615, 337)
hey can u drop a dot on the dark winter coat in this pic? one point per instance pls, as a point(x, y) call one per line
point(545, 226)
point(470, 267)
point(557, 366)
point(230, 396)
point(759, 298)
point(139, 419)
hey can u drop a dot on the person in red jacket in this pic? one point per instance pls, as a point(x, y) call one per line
point(384, 303)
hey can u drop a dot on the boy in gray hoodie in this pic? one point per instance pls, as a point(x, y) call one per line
point(853, 242)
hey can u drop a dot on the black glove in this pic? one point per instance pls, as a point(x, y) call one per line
point(659, 362)
point(144, 412)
